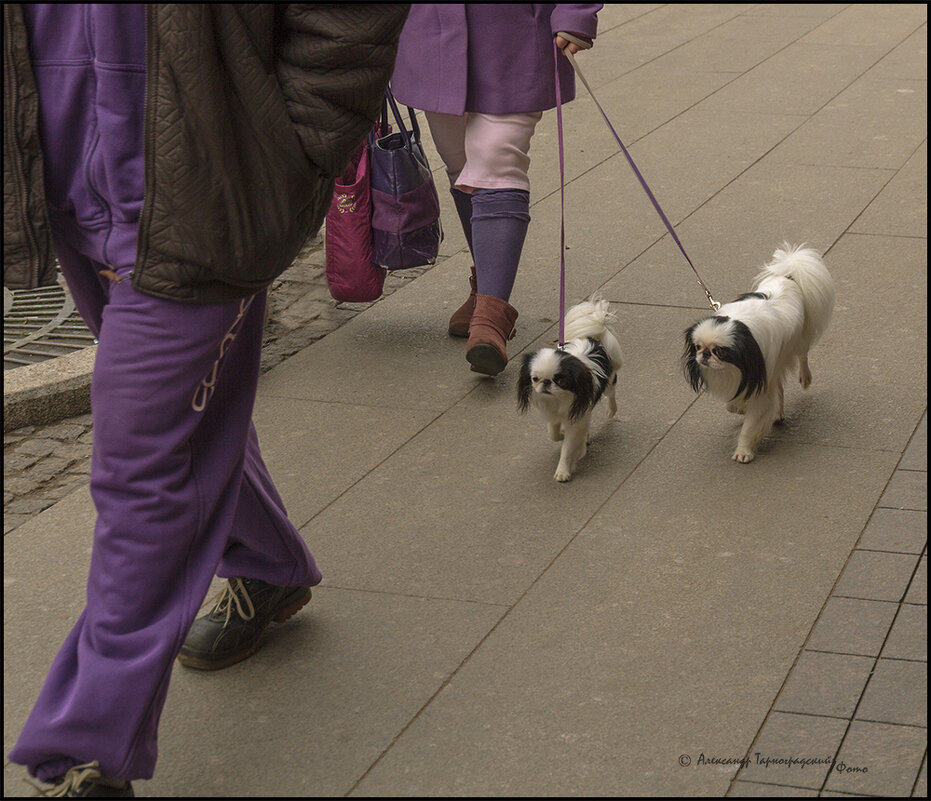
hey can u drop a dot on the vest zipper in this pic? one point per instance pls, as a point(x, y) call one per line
point(19, 173)
point(148, 140)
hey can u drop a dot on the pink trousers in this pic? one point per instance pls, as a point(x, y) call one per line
point(484, 151)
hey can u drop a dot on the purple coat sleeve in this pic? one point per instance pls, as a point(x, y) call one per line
point(492, 58)
point(580, 18)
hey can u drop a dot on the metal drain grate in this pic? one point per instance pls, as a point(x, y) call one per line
point(40, 324)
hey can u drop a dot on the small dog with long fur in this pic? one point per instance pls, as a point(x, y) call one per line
point(565, 385)
point(742, 353)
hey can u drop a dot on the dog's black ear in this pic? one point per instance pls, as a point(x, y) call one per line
point(748, 358)
point(690, 363)
point(577, 378)
point(524, 384)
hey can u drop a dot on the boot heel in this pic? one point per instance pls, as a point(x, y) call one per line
point(486, 359)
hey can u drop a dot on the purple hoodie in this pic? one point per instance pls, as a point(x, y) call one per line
point(89, 63)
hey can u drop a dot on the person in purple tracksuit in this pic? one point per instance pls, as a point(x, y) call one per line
point(483, 73)
point(178, 165)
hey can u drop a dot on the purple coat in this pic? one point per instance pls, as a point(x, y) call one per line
point(491, 58)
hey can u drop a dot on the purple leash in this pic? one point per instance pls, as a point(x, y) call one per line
point(562, 288)
point(562, 210)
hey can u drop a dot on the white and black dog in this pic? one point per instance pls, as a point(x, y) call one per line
point(565, 385)
point(742, 353)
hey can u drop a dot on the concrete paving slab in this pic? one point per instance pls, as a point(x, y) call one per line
point(907, 489)
point(384, 347)
point(860, 25)
point(897, 693)
point(909, 636)
point(688, 160)
point(901, 209)
point(307, 450)
point(916, 454)
point(651, 34)
point(739, 228)
point(740, 44)
point(901, 530)
point(787, 736)
point(921, 784)
point(327, 694)
point(797, 80)
point(909, 59)
point(756, 790)
point(502, 518)
point(852, 626)
point(619, 601)
point(825, 684)
point(893, 775)
point(876, 576)
point(918, 588)
point(885, 120)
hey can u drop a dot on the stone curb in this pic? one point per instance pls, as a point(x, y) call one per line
point(43, 393)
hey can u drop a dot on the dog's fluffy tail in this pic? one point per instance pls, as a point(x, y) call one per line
point(805, 267)
point(591, 319)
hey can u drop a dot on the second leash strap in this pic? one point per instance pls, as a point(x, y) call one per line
point(714, 304)
point(562, 206)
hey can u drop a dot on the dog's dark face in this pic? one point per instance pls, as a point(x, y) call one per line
point(557, 378)
point(720, 343)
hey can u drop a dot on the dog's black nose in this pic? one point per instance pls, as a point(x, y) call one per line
point(546, 383)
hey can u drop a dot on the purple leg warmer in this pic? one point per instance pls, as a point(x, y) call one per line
point(499, 224)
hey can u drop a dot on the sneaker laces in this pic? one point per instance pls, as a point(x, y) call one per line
point(234, 594)
point(72, 780)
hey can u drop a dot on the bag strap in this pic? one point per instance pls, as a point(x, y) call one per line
point(414, 134)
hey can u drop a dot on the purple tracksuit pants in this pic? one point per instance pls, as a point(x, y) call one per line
point(181, 493)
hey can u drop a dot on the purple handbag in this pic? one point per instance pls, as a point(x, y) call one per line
point(406, 228)
point(351, 274)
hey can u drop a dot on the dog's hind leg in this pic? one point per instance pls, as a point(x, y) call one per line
point(804, 373)
point(610, 393)
point(780, 401)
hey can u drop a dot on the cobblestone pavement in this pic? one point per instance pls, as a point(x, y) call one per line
point(42, 464)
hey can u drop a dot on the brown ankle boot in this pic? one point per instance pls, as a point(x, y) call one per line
point(492, 325)
point(459, 322)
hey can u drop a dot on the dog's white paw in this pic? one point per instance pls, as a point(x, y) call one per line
point(736, 408)
point(804, 377)
point(562, 475)
point(743, 456)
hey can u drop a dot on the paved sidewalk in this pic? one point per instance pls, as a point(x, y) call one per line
point(669, 622)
